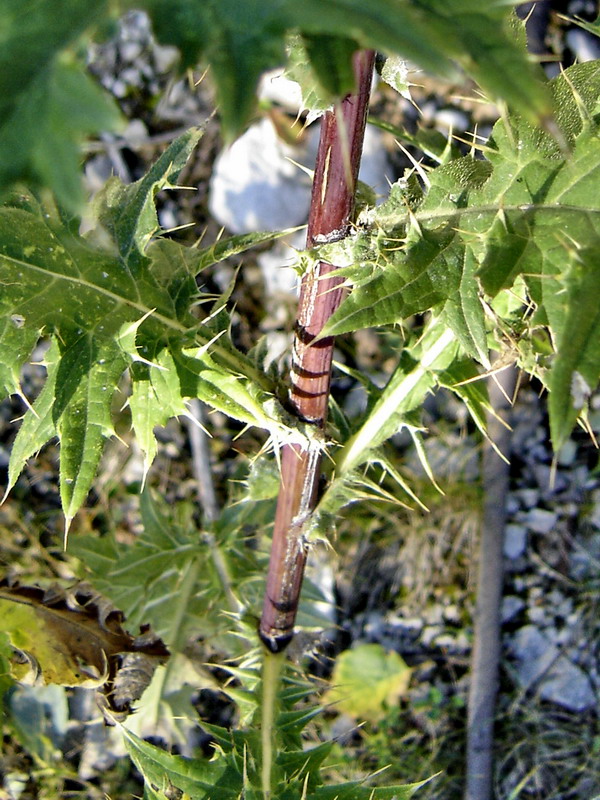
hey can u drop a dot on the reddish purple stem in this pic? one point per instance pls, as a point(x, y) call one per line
point(332, 206)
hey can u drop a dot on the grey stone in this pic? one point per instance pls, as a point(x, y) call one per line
point(429, 634)
point(539, 661)
point(515, 540)
point(583, 44)
point(568, 686)
point(594, 517)
point(540, 520)
point(511, 606)
point(534, 653)
point(528, 498)
point(585, 558)
point(567, 453)
point(130, 51)
point(512, 504)
point(537, 614)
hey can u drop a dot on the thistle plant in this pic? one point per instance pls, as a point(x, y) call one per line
point(495, 250)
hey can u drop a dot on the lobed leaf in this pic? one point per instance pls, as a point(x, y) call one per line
point(242, 41)
point(526, 213)
point(48, 103)
point(196, 777)
point(126, 307)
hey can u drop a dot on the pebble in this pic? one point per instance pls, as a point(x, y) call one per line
point(511, 606)
point(515, 540)
point(567, 453)
point(528, 498)
point(451, 119)
point(429, 634)
point(584, 45)
point(537, 614)
point(130, 51)
point(539, 520)
point(452, 614)
point(539, 661)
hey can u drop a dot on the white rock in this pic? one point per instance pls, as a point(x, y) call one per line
point(276, 264)
point(276, 88)
point(452, 614)
point(452, 119)
point(256, 187)
point(136, 133)
point(445, 641)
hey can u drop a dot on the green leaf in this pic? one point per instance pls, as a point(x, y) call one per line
point(361, 791)
point(408, 283)
point(166, 561)
point(196, 777)
point(527, 214)
point(86, 378)
point(16, 343)
point(38, 426)
point(490, 45)
point(128, 211)
point(128, 306)
point(465, 315)
point(366, 680)
point(242, 41)
point(47, 102)
point(576, 370)
point(405, 391)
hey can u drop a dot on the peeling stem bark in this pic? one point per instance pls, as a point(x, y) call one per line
point(332, 206)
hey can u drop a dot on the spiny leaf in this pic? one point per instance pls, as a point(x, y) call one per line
point(128, 211)
point(242, 41)
point(576, 370)
point(37, 427)
point(170, 559)
point(404, 392)
point(166, 560)
point(47, 102)
point(357, 790)
point(196, 777)
point(108, 310)
point(86, 378)
point(525, 213)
